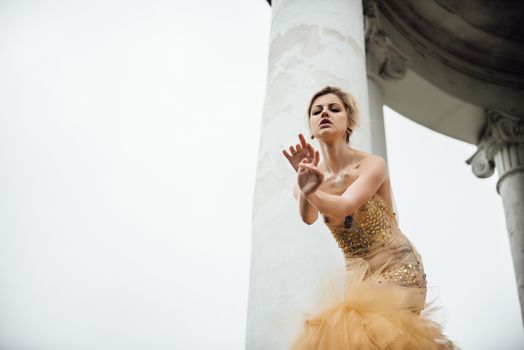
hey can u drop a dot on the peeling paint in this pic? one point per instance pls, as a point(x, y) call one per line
point(301, 34)
point(292, 62)
point(310, 40)
point(354, 45)
point(275, 99)
point(312, 46)
point(322, 75)
point(333, 33)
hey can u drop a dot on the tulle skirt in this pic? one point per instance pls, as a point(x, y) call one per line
point(367, 314)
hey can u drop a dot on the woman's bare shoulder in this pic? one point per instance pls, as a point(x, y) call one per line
point(366, 158)
point(374, 163)
point(369, 157)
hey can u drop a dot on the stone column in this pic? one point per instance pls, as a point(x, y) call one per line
point(501, 145)
point(312, 44)
point(376, 117)
point(384, 62)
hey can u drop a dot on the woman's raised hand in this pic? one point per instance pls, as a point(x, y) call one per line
point(309, 176)
point(300, 151)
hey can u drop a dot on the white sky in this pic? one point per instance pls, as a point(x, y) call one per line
point(128, 141)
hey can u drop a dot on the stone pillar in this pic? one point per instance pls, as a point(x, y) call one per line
point(383, 62)
point(501, 145)
point(376, 117)
point(312, 44)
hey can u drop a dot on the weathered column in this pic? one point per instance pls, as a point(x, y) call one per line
point(313, 44)
point(384, 62)
point(501, 145)
point(376, 117)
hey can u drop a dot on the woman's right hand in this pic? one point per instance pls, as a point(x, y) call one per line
point(300, 151)
point(310, 177)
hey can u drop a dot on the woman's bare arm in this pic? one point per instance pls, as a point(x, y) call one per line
point(308, 212)
point(373, 174)
point(302, 151)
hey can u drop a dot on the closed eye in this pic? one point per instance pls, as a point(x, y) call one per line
point(335, 110)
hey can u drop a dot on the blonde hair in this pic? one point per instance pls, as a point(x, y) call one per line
point(350, 104)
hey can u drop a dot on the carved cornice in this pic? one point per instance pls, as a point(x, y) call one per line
point(502, 133)
point(383, 59)
point(439, 32)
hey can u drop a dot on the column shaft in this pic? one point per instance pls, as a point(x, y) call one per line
point(312, 44)
point(509, 161)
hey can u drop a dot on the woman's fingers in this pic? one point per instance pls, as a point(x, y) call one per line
point(302, 140)
point(310, 150)
point(317, 158)
point(309, 167)
point(302, 162)
point(288, 156)
point(302, 165)
point(300, 149)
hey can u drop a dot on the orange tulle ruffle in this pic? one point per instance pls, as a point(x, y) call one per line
point(365, 314)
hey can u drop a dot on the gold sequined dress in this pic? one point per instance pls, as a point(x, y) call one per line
point(383, 300)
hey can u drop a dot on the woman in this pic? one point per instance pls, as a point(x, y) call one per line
point(385, 287)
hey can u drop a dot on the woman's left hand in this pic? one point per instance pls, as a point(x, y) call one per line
point(309, 176)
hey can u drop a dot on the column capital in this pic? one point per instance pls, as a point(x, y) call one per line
point(501, 131)
point(383, 59)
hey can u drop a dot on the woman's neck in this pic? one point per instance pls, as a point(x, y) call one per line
point(337, 156)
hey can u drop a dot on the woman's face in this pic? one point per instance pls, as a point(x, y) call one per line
point(328, 119)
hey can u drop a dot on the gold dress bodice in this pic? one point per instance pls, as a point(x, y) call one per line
point(380, 305)
point(372, 233)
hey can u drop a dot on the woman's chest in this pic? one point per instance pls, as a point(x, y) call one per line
point(337, 185)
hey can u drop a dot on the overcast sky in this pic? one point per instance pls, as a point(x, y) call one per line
point(128, 141)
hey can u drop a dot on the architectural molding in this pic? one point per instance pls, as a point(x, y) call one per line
point(503, 133)
point(383, 59)
point(509, 160)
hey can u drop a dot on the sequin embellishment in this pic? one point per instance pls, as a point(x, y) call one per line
point(372, 228)
point(409, 275)
point(368, 226)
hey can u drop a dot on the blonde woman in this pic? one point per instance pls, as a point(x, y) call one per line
point(385, 287)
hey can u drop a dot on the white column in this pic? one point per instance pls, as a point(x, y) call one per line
point(313, 44)
point(376, 117)
point(501, 145)
point(510, 167)
point(384, 62)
